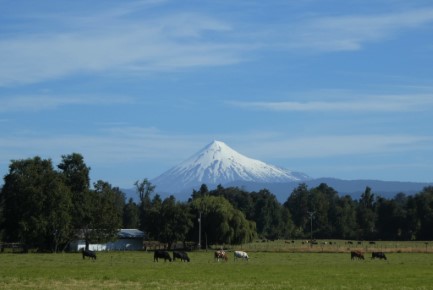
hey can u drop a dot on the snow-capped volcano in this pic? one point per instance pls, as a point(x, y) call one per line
point(216, 164)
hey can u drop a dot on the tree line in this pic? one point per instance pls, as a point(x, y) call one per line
point(45, 208)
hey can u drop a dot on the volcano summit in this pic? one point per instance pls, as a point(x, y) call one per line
point(216, 164)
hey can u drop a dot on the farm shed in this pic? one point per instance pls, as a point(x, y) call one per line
point(127, 240)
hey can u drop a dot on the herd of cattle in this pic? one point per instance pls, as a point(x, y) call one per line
point(221, 255)
point(360, 256)
point(183, 256)
point(218, 255)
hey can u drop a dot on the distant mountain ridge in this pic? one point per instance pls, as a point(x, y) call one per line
point(218, 164)
point(354, 188)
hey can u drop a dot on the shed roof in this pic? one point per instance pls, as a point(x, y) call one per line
point(130, 234)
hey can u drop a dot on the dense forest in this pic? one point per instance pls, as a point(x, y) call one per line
point(45, 208)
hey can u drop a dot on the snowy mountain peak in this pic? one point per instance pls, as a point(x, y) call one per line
point(216, 164)
point(217, 153)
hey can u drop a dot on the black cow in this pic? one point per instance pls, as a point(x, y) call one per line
point(356, 255)
point(181, 255)
point(379, 255)
point(161, 254)
point(88, 253)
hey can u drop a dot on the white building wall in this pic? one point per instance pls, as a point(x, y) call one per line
point(119, 245)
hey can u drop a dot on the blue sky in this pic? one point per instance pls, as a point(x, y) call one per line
point(327, 87)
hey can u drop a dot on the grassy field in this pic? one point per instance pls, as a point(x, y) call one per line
point(264, 270)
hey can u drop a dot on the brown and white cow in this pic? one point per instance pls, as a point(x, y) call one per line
point(220, 254)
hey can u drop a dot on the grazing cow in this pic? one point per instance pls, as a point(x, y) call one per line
point(220, 254)
point(181, 255)
point(241, 255)
point(161, 254)
point(356, 255)
point(88, 253)
point(379, 255)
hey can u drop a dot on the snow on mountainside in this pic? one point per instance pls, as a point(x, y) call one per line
point(216, 164)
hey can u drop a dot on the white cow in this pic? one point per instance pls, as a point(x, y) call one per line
point(241, 255)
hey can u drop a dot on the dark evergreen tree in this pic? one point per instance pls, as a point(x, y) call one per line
point(388, 223)
point(268, 215)
point(366, 216)
point(239, 198)
point(413, 221)
point(345, 218)
point(144, 190)
point(202, 191)
point(298, 203)
point(400, 217)
point(424, 202)
point(131, 217)
point(153, 221)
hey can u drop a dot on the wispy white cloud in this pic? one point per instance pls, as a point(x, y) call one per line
point(168, 42)
point(340, 145)
point(117, 145)
point(124, 144)
point(119, 40)
point(379, 103)
point(47, 102)
point(342, 33)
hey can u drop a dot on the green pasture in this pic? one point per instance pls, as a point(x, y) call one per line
point(264, 270)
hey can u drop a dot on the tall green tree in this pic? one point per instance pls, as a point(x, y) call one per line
point(36, 205)
point(175, 221)
point(76, 172)
point(366, 215)
point(298, 203)
point(107, 211)
point(2, 217)
point(424, 204)
point(346, 225)
point(144, 190)
point(153, 222)
point(388, 223)
point(268, 215)
point(323, 201)
point(76, 176)
point(131, 217)
point(400, 216)
point(239, 198)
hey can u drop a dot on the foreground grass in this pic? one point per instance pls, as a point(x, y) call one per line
point(265, 270)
